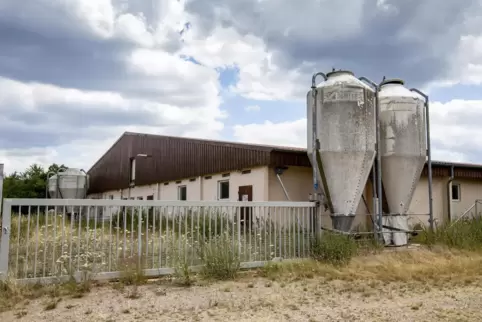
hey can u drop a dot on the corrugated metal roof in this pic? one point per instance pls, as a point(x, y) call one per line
point(180, 157)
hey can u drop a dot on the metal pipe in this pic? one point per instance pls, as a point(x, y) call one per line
point(314, 122)
point(449, 193)
point(429, 156)
point(378, 163)
point(283, 187)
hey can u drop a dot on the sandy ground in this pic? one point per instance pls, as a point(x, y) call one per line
point(263, 300)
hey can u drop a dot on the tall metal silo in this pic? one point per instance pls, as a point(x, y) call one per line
point(342, 143)
point(403, 149)
point(68, 184)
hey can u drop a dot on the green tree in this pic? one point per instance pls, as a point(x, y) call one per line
point(31, 183)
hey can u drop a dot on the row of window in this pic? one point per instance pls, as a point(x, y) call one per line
point(223, 191)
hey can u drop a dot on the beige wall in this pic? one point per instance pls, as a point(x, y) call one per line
point(201, 188)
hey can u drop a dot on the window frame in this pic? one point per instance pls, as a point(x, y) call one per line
point(220, 183)
point(179, 193)
point(459, 192)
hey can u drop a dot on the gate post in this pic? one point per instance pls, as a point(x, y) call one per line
point(5, 240)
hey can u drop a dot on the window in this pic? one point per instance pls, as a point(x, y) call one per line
point(192, 179)
point(111, 197)
point(225, 175)
point(455, 192)
point(245, 171)
point(223, 189)
point(139, 198)
point(208, 177)
point(182, 193)
point(133, 169)
point(150, 197)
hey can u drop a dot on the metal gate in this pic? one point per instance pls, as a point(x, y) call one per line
point(44, 240)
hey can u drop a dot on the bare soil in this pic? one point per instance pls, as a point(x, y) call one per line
point(261, 299)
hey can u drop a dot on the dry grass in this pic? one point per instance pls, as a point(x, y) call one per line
point(422, 265)
point(419, 270)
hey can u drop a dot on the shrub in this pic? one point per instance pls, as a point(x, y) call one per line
point(335, 249)
point(220, 257)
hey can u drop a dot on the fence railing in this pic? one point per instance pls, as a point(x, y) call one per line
point(45, 239)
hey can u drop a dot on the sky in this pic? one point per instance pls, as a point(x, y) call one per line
point(75, 75)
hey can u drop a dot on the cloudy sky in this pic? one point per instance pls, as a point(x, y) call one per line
point(76, 74)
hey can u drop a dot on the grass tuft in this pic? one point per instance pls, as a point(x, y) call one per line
point(335, 249)
point(220, 257)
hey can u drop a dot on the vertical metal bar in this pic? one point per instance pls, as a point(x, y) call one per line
point(270, 233)
point(154, 218)
point(19, 220)
point(298, 230)
point(27, 243)
point(256, 234)
point(54, 241)
point(139, 238)
point(110, 241)
point(280, 225)
point(96, 211)
point(289, 230)
point(161, 235)
point(303, 235)
point(36, 243)
point(133, 214)
point(5, 239)
point(71, 234)
point(124, 215)
point(63, 238)
point(147, 236)
point(46, 238)
point(79, 241)
point(87, 235)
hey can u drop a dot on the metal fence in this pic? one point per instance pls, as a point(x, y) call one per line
point(50, 239)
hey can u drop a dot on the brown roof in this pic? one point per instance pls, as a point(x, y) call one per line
point(175, 158)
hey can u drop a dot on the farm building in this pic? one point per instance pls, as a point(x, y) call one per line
point(156, 167)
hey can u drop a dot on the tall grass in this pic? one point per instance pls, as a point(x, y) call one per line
point(464, 235)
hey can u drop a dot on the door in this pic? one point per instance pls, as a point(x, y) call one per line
point(245, 193)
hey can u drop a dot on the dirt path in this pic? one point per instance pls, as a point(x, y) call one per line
point(262, 300)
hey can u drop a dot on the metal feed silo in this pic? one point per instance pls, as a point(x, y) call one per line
point(403, 149)
point(342, 141)
point(68, 184)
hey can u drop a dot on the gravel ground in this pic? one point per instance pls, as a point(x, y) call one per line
point(260, 299)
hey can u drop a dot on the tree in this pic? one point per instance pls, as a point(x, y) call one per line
point(31, 183)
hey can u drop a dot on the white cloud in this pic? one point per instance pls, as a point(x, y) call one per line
point(259, 77)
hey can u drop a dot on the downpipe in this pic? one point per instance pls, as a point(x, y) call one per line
point(449, 193)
